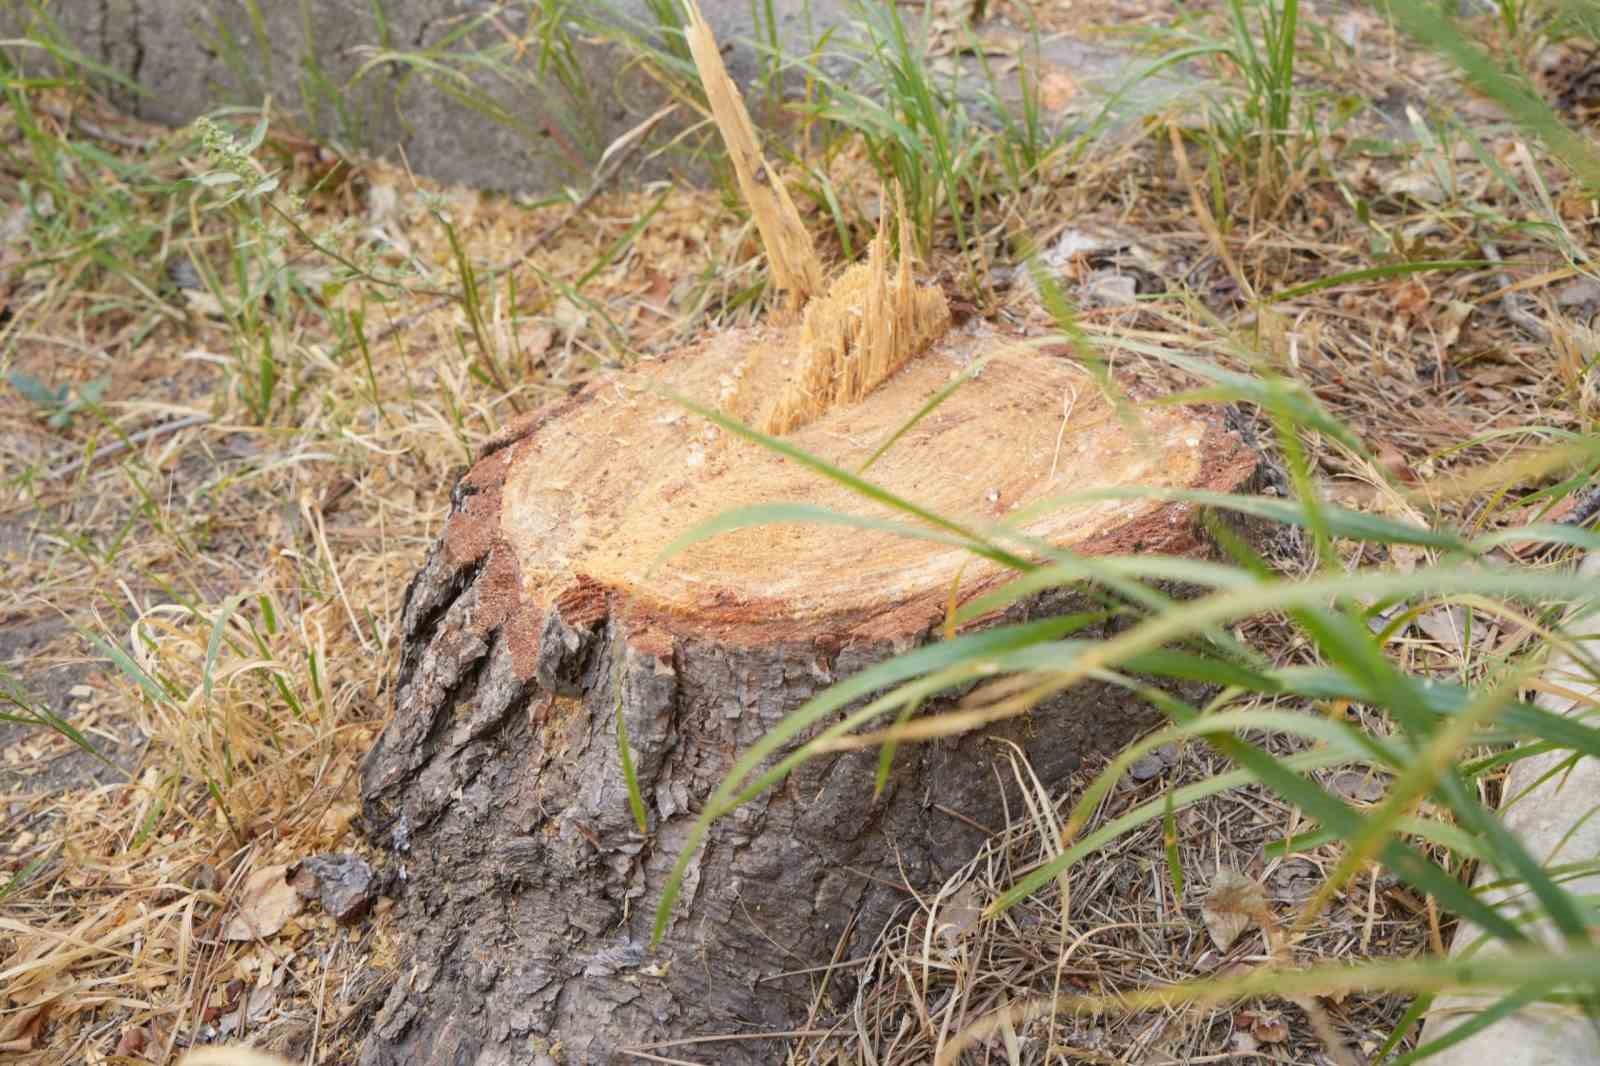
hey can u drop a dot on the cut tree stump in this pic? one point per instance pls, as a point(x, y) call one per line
point(534, 626)
point(541, 629)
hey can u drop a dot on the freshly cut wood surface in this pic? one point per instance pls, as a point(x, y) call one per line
point(591, 493)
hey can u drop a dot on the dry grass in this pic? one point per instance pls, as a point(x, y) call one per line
point(251, 560)
point(1117, 925)
point(254, 573)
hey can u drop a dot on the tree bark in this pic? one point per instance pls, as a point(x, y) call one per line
point(529, 891)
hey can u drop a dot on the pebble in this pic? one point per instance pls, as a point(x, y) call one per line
point(343, 884)
point(1146, 767)
point(1578, 293)
point(80, 692)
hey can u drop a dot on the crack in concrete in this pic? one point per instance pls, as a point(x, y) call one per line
point(136, 33)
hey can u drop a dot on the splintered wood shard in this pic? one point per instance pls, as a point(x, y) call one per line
point(790, 254)
point(869, 325)
point(874, 317)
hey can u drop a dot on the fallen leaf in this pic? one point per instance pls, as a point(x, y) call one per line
point(959, 914)
point(1232, 904)
point(20, 1030)
point(266, 904)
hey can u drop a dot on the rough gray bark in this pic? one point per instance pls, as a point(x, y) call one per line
point(529, 893)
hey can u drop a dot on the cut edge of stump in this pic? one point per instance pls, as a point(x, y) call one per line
point(472, 540)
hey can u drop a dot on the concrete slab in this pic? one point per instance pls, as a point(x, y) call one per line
point(1551, 809)
point(392, 76)
point(400, 78)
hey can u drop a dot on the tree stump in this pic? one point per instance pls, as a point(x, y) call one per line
point(533, 627)
point(538, 632)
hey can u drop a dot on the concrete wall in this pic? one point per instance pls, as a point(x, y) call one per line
point(337, 65)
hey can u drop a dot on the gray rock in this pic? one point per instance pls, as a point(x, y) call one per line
point(341, 882)
point(1146, 767)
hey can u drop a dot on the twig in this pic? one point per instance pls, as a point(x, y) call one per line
point(728, 1038)
point(99, 133)
point(1510, 301)
point(119, 446)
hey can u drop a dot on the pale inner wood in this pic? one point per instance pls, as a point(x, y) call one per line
point(601, 490)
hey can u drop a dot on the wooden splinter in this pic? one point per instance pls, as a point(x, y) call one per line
point(872, 319)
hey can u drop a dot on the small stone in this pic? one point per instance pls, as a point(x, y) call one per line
point(80, 692)
point(1578, 293)
point(183, 274)
point(1146, 767)
point(342, 882)
point(1108, 288)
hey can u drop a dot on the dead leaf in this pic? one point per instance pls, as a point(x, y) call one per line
point(21, 1029)
point(958, 916)
point(1233, 902)
point(266, 904)
point(1450, 626)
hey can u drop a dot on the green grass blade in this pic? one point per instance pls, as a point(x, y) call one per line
point(219, 627)
point(1378, 273)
